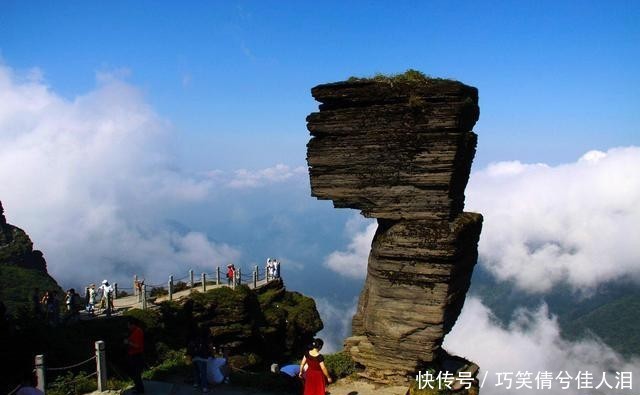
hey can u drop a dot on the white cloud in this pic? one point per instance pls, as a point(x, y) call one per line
point(244, 178)
point(574, 223)
point(531, 343)
point(89, 179)
point(337, 323)
point(353, 262)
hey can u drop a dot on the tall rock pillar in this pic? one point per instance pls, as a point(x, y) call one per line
point(400, 150)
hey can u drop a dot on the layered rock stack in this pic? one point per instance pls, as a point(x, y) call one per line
point(400, 150)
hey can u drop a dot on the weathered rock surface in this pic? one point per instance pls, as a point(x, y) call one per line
point(401, 152)
point(393, 151)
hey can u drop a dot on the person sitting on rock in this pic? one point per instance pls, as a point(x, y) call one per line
point(218, 368)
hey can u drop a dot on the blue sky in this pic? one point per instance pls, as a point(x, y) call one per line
point(555, 78)
point(171, 135)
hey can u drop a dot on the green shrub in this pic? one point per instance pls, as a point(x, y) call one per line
point(180, 286)
point(148, 318)
point(411, 76)
point(70, 384)
point(340, 364)
point(174, 363)
point(157, 291)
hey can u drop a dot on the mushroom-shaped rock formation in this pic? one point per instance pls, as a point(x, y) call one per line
point(400, 150)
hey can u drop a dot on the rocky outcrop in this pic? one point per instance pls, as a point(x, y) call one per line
point(22, 269)
point(271, 323)
point(16, 247)
point(400, 150)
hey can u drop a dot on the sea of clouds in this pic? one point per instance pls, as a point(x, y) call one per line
point(545, 226)
point(92, 179)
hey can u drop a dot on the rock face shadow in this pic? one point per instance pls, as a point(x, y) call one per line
point(400, 150)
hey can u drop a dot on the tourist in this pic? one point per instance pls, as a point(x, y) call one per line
point(72, 301)
point(51, 307)
point(106, 302)
point(218, 368)
point(289, 375)
point(230, 274)
point(91, 298)
point(276, 268)
point(139, 284)
point(316, 372)
point(270, 271)
point(47, 305)
point(135, 355)
point(199, 349)
point(27, 386)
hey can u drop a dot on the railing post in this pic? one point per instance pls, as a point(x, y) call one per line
point(171, 287)
point(101, 366)
point(218, 275)
point(115, 291)
point(255, 278)
point(266, 273)
point(144, 296)
point(40, 377)
point(191, 278)
point(257, 270)
point(204, 282)
point(135, 284)
point(239, 276)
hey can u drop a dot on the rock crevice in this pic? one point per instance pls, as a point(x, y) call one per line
point(401, 152)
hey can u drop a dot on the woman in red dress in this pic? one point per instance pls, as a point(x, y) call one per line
point(316, 371)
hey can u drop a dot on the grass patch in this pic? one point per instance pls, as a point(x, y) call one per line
point(82, 383)
point(174, 362)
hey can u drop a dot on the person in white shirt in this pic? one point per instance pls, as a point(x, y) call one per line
point(276, 268)
point(269, 269)
point(107, 297)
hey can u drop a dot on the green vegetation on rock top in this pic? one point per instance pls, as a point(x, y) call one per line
point(411, 76)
